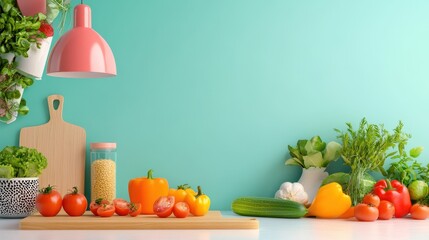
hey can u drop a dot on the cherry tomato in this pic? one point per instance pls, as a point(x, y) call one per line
point(48, 201)
point(96, 204)
point(372, 199)
point(419, 211)
point(106, 210)
point(135, 209)
point(181, 210)
point(366, 212)
point(386, 210)
point(121, 207)
point(75, 203)
point(163, 206)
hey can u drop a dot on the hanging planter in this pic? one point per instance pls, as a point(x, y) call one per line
point(12, 86)
point(23, 55)
point(34, 65)
point(8, 56)
point(10, 108)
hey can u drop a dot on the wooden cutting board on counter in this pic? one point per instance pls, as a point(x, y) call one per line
point(212, 220)
point(64, 146)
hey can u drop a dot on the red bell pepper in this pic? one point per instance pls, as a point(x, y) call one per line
point(396, 193)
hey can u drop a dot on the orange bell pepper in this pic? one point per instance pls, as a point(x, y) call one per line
point(146, 190)
point(181, 192)
point(199, 204)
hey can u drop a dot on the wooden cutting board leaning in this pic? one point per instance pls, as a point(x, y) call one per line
point(64, 146)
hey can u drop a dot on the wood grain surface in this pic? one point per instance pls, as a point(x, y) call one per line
point(63, 144)
point(212, 220)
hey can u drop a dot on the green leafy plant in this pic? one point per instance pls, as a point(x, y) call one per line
point(54, 8)
point(366, 149)
point(10, 82)
point(407, 168)
point(17, 31)
point(313, 153)
point(21, 162)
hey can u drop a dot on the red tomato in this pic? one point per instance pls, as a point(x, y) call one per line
point(372, 199)
point(419, 211)
point(135, 209)
point(365, 212)
point(163, 206)
point(75, 203)
point(386, 210)
point(121, 207)
point(181, 210)
point(96, 204)
point(48, 201)
point(106, 210)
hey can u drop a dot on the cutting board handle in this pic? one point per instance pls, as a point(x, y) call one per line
point(55, 114)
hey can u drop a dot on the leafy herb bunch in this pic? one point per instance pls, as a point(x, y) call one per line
point(366, 149)
point(406, 168)
point(17, 31)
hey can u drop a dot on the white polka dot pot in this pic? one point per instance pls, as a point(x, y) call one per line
point(18, 197)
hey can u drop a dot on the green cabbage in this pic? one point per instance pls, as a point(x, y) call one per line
point(366, 184)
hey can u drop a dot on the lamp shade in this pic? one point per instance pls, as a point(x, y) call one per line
point(81, 52)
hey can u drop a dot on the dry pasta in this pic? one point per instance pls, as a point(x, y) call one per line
point(103, 179)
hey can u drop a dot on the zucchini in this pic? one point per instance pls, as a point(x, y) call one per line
point(268, 207)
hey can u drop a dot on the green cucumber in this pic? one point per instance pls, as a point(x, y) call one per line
point(268, 207)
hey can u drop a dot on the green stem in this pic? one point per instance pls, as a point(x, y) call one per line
point(389, 185)
point(199, 192)
point(74, 191)
point(183, 186)
point(354, 189)
point(149, 174)
point(47, 189)
point(98, 201)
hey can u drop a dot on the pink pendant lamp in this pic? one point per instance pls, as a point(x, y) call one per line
point(81, 52)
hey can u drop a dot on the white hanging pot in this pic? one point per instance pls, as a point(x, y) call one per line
point(33, 65)
point(9, 56)
point(15, 102)
point(311, 179)
point(4, 105)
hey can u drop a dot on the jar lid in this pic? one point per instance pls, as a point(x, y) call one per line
point(102, 145)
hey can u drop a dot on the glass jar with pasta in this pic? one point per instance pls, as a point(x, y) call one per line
point(103, 171)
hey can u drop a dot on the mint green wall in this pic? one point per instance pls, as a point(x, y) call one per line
point(211, 93)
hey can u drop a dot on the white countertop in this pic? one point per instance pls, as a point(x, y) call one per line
point(269, 228)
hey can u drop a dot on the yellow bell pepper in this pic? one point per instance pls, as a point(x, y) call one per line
point(199, 204)
point(330, 202)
